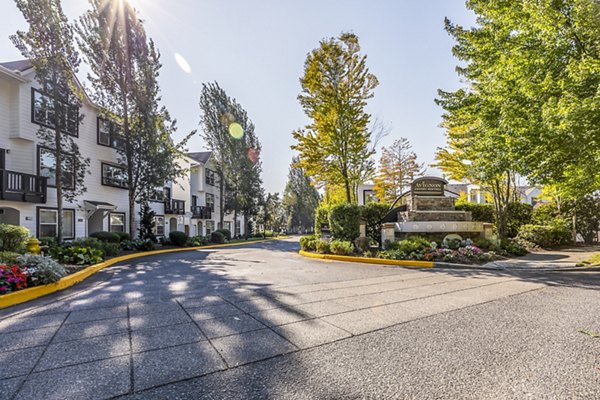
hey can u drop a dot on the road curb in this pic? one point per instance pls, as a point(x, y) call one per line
point(25, 295)
point(368, 260)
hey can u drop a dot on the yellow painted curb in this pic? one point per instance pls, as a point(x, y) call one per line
point(22, 296)
point(368, 260)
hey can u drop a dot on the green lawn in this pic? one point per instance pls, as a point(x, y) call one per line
point(592, 261)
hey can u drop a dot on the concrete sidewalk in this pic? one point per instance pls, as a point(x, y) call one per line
point(548, 259)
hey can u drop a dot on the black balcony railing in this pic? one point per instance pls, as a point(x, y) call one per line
point(175, 207)
point(201, 212)
point(17, 186)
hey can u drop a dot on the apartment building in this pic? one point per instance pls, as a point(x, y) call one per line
point(27, 172)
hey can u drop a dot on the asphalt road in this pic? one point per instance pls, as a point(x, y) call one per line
point(262, 322)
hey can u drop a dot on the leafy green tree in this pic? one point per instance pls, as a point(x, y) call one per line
point(300, 199)
point(147, 222)
point(532, 75)
point(334, 148)
point(48, 45)
point(398, 167)
point(125, 66)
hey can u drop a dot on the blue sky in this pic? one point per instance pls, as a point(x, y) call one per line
point(256, 49)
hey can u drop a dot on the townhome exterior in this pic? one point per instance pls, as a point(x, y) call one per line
point(27, 192)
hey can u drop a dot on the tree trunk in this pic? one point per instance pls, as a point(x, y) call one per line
point(221, 200)
point(59, 186)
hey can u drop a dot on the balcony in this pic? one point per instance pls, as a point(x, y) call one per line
point(175, 207)
point(16, 186)
point(201, 212)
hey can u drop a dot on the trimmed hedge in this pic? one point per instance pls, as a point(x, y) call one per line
point(217, 237)
point(480, 212)
point(322, 246)
point(344, 222)
point(321, 217)
point(341, 247)
point(371, 214)
point(178, 238)
point(309, 243)
point(554, 235)
point(104, 236)
point(225, 232)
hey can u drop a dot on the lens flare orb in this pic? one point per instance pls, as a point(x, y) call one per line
point(236, 131)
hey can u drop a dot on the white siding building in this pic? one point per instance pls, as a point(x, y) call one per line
point(27, 195)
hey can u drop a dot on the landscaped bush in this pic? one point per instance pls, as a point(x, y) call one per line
point(13, 237)
point(108, 248)
point(321, 217)
point(512, 247)
point(49, 241)
point(8, 257)
point(517, 215)
point(12, 278)
point(76, 255)
point(123, 236)
point(217, 237)
point(111, 237)
point(198, 241)
point(341, 247)
point(371, 214)
point(137, 244)
point(225, 232)
point(309, 243)
point(41, 270)
point(344, 222)
point(480, 212)
point(178, 238)
point(322, 246)
point(550, 236)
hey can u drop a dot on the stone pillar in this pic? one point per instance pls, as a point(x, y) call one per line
point(388, 232)
point(363, 230)
point(488, 230)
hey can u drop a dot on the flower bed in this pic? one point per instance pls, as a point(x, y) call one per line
point(416, 249)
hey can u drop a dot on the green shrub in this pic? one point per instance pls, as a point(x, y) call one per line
point(42, 270)
point(111, 249)
point(76, 255)
point(144, 245)
point(178, 238)
point(341, 247)
point(123, 236)
point(371, 214)
point(322, 246)
point(544, 214)
point(511, 247)
point(217, 237)
point(198, 241)
point(309, 243)
point(13, 237)
point(225, 232)
point(104, 236)
point(321, 217)
point(8, 257)
point(480, 212)
point(49, 241)
point(482, 242)
point(344, 222)
point(517, 215)
point(554, 235)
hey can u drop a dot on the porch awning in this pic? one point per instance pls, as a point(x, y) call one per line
point(93, 206)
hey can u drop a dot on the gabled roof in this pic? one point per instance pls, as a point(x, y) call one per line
point(19, 65)
point(201, 156)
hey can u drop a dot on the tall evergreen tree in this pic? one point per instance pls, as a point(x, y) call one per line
point(334, 147)
point(300, 199)
point(48, 45)
point(124, 69)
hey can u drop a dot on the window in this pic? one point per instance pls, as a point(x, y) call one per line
point(48, 223)
point(109, 134)
point(210, 177)
point(116, 222)
point(47, 167)
point(210, 227)
point(228, 225)
point(43, 112)
point(167, 194)
point(194, 200)
point(210, 201)
point(200, 233)
point(114, 176)
point(159, 225)
point(157, 195)
point(237, 228)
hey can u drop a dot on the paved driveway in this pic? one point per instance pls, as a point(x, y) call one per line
point(263, 322)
